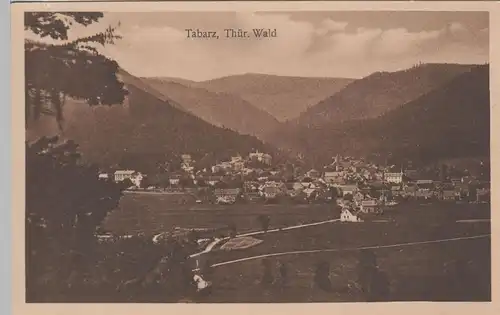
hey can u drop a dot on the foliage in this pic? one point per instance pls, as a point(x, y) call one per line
point(264, 221)
point(322, 276)
point(267, 273)
point(67, 68)
point(427, 128)
point(373, 282)
point(65, 203)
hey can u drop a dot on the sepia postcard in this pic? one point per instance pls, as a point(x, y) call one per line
point(193, 157)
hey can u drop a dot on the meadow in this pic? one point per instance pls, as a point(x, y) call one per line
point(155, 213)
point(455, 270)
point(441, 271)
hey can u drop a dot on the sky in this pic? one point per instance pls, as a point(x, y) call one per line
point(313, 44)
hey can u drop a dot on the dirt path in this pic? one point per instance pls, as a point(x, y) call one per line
point(212, 244)
point(349, 249)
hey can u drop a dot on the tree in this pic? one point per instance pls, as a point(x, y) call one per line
point(65, 203)
point(67, 67)
point(267, 273)
point(334, 193)
point(264, 221)
point(322, 276)
point(373, 282)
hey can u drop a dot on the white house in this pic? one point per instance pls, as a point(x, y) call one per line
point(135, 177)
point(104, 176)
point(396, 178)
point(123, 174)
point(347, 216)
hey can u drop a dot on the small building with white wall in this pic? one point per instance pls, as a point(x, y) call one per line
point(347, 216)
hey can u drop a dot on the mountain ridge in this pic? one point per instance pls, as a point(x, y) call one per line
point(219, 109)
point(380, 92)
point(284, 97)
point(448, 122)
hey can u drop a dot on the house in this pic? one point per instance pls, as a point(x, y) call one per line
point(313, 174)
point(135, 177)
point(396, 190)
point(103, 176)
point(348, 189)
point(396, 178)
point(174, 179)
point(272, 190)
point(123, 174)
point(448, 195)
point(333, 177)
point(370, 206)
point(347, 216)
point(222, 167)
point(483, 195)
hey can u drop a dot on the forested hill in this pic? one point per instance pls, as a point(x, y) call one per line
point(145, 132)
point(451, 121)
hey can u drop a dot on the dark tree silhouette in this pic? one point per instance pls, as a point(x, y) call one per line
point(65, 203)
point(232, 230)
point(264, 221)
point(374, 283)
point(71, 68)
point(283, 270)
point(267, 273)
point(322, 276)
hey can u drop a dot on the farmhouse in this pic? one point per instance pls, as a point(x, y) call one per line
point(347, 216)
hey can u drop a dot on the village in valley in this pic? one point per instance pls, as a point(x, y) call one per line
point(355, 185)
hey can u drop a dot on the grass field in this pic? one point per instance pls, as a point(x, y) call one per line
point(156, 213)
point(455, 270)
point(447, 271)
